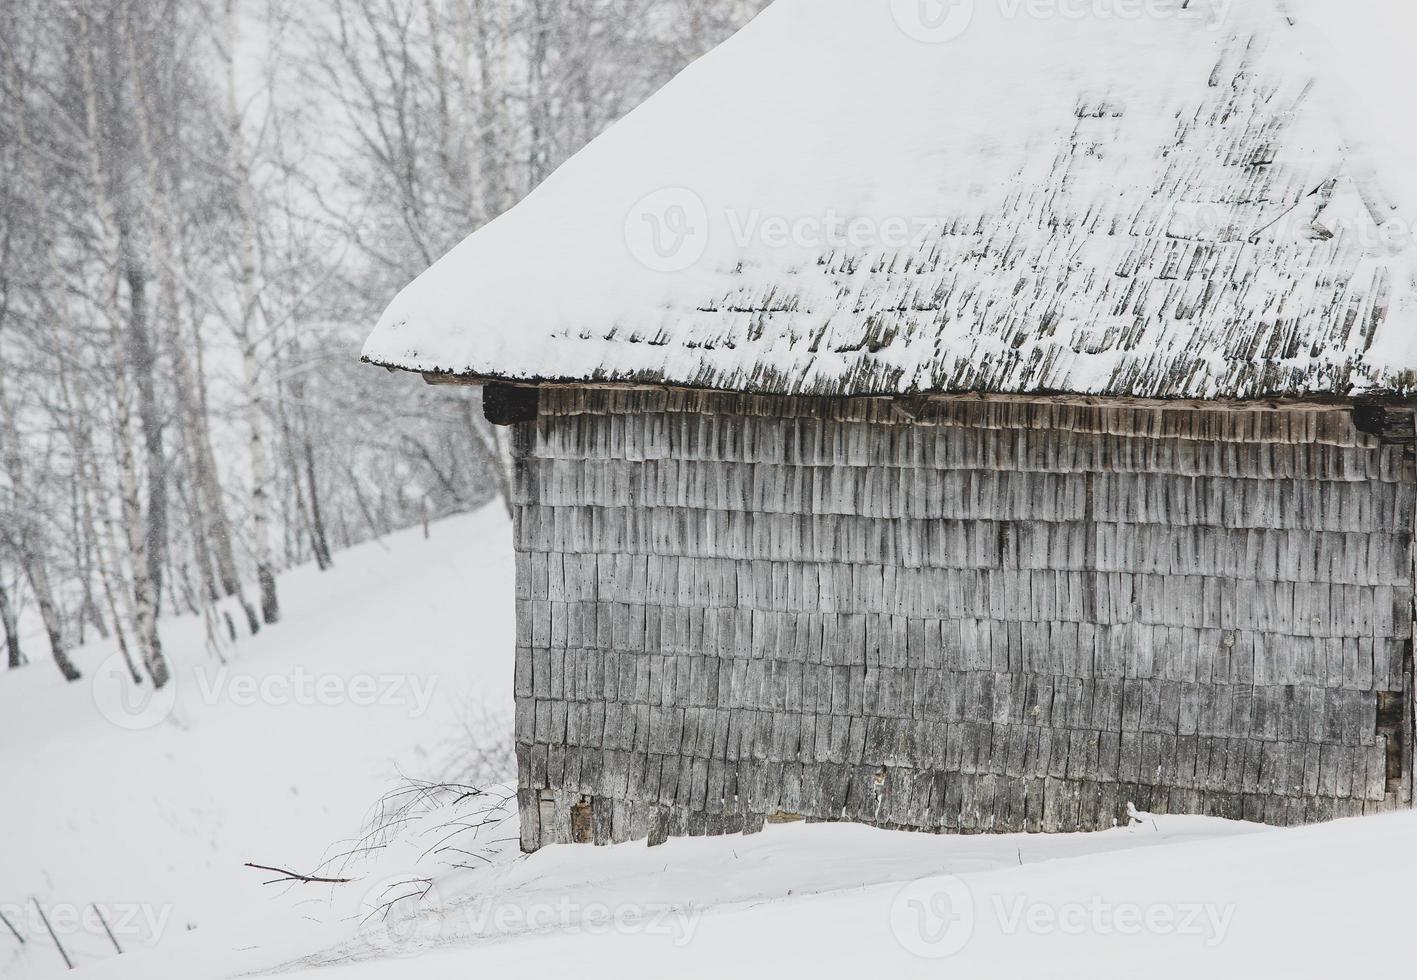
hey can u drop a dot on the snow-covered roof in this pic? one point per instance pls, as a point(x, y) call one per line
point(1143, 198)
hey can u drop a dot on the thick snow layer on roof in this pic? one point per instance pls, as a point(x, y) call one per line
point(1152, 198)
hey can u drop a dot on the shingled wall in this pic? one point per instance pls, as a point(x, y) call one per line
point(953, 616)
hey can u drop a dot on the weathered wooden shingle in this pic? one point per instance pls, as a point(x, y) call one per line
point(1169, 636)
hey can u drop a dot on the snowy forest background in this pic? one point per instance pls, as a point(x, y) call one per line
point(204, 206)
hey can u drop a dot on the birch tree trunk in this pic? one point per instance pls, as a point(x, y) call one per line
point(24, 539)
point(249, 329)
point(38, 576)
point(94, 511)
point(212, 526)
point(300, 526)
point(21, 536)
point(490, 135)
point(88, 548)
point(323, 556)
point(142, 361)
point(144, 596)
point(191, 393)
point(301, 450)
point(20, 533)
point(538, 104)
point(8, 622)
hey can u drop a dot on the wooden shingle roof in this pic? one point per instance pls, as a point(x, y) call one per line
point(839, 201)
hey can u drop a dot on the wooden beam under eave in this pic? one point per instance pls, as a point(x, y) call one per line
point(1393, 426)
point(450, 380)
point(502, 404)
point(908, 403)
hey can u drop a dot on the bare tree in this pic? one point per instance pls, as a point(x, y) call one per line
point(188, 257)
point(21, 537)
point(9, 623)
point(113, 268)
point(250, 324)
point(20, 533)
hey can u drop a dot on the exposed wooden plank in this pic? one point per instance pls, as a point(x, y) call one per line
point(995, 617)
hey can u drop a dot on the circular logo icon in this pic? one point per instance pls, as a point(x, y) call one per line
point(933, 918)
point(668, 231)
point(133, 706)
point(933, 21)
point(401, 915)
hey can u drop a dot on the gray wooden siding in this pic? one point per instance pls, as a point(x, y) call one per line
point(952, 616)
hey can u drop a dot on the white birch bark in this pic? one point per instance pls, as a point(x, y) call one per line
point(24, 540)
point(95, 511)
point(144, 594)
point(250, 329)
point(21, 534)
point(9, 625)
point(211, 522)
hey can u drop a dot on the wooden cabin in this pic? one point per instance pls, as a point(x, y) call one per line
point(1096, 492)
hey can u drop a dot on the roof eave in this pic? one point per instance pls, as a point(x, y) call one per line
point(1315, 401)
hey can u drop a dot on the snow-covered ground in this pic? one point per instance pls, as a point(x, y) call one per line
point(377, 671)
point(1180, 897)
point(153, 826)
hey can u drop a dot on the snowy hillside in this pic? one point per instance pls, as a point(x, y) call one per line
point(1186, 897)
point(153, 827)
point(375, 672)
